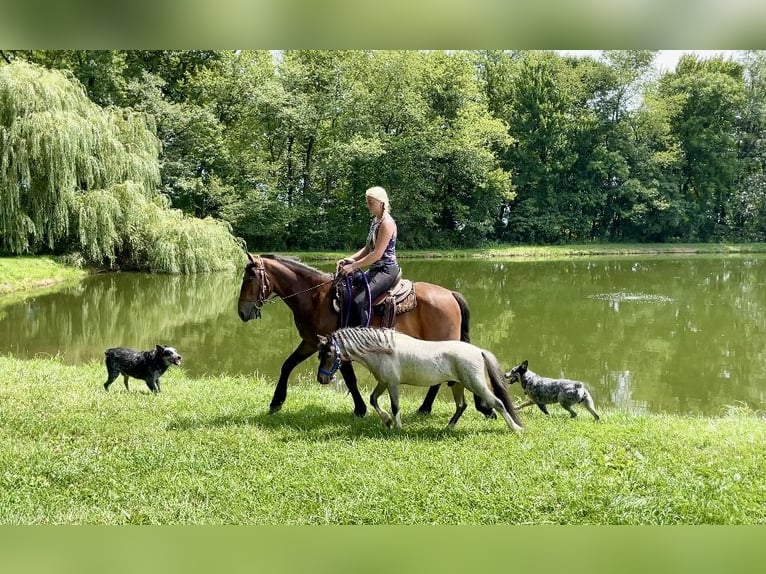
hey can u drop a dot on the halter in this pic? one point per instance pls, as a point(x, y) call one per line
point(336, 362)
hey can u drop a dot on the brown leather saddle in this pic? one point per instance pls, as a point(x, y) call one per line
point(397, 300)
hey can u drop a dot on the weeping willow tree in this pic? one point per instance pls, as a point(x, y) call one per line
point(78, 177)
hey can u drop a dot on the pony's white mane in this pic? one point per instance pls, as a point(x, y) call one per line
point(356, 341)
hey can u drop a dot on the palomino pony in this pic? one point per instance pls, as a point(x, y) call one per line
point(440, 315)
point(395, 359)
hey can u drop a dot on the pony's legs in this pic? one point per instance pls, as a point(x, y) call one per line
point(376, 392)
point(428, 403)
point(393, 395)
point(500, 407)
point(479, 388)
point(458, 393)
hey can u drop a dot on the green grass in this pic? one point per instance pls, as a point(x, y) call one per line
point(19, 274)
point(206, 452)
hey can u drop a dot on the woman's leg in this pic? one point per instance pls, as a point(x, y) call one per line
point(379, 280)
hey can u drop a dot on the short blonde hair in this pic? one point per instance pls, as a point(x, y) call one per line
point(380, 194)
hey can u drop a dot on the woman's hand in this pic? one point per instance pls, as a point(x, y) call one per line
point(347, 269)
point(343, 262)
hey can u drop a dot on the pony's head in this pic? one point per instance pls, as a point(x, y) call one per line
point(517, 373)
point(329, 359)
point(255, 289)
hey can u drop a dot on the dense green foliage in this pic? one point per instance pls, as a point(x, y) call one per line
point(205, 451)
point(79, 178)
point(475, 147)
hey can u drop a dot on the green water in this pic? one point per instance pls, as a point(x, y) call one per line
point(657, 333)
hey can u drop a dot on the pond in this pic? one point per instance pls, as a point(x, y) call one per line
point(676, 334)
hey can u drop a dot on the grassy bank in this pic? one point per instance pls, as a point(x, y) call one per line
point(20, 274)
point(564, 251)
point(206, 452)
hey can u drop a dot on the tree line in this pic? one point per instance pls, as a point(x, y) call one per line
point(474, 148)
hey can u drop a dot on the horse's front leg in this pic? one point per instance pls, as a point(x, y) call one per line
point(376, 392)
point(349, 377)
point(428, 401)
point(300, 354)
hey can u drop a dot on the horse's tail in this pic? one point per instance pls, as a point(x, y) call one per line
point(498, 388)
point(465, 316)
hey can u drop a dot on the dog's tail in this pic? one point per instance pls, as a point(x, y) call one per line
point(465, 316)
point(498, 388)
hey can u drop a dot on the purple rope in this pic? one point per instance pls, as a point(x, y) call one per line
point(349, 301)
point(369, 299)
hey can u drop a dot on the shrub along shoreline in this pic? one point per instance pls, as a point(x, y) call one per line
point(205, 451)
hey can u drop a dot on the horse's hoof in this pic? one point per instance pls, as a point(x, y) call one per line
point(360, 414)
point(491, 415)
point(424, 412)
point(273, 409)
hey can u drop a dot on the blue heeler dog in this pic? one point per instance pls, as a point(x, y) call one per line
point(145, 365)
point(544, 391)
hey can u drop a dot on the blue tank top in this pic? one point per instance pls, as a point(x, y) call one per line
point(389, 255)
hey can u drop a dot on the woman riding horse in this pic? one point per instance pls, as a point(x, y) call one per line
point(440, 315)
point(378, 253)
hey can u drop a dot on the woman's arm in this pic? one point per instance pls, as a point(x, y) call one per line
point(385, 233)
point(351, 258)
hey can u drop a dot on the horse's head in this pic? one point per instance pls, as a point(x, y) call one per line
point(329, 359)
point(255, 289)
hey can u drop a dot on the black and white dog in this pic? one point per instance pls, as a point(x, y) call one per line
point(145, 365)
point(544, 391)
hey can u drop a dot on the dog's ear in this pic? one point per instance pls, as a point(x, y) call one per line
point(524, 364)
point(159, 348)
point(322, 339)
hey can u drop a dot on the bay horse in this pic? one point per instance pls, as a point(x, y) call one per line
point(395, 359)
point(440, 315)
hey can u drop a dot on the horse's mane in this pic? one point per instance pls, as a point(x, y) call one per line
point(360, 340)
point(295, 264)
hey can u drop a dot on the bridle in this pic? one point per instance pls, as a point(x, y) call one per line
point(265, 291)
point(336, 363)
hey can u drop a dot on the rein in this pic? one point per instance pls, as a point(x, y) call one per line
point(277, 297)
point(264, 296)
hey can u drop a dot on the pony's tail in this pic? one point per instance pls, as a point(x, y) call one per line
point(465, 316)
point(498, 388)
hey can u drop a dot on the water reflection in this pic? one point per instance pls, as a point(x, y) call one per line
point(681, 334)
